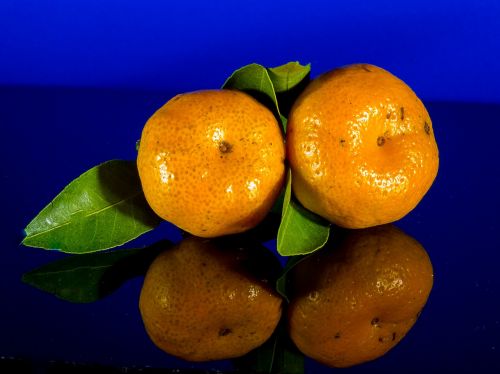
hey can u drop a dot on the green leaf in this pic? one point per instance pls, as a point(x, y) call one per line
point(264, 83)
point(284, 122)
point(90, 277)
point(277, 355)
point(255, 79)
point(301, 231)
point(287, 76)
point(102, 208)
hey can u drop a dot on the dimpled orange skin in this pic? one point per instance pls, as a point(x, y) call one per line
point(361, 147)
point(355, 302)
point(212, 162)
point(199, 304)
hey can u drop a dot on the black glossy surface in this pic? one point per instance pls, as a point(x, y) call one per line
point(52, 135)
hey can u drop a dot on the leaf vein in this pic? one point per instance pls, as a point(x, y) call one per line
point(45, 273)
point(43, 232)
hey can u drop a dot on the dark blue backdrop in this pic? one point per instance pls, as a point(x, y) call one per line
point(446, 50)
point(79, 79)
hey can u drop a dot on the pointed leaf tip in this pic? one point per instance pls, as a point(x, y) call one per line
point(102, 208)
point(301, 231)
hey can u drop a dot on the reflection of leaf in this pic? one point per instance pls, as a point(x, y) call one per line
point(301, 231)
point(289, 75)
point(90, 277)
point(276, 356)
point(282, 282)
point(102, 208)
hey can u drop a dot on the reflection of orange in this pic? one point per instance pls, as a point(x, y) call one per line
point(210, 299)
point(361, 147)
point(354, 302)
point(212, 162)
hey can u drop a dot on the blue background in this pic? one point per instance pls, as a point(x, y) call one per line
point(78, 79)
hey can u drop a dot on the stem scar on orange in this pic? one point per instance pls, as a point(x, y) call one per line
point(212, 162)
point(361, 147)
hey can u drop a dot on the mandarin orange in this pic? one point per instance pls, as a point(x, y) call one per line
point(212, 162)
point(355, 300)
point(361, 147)
point(210, 299)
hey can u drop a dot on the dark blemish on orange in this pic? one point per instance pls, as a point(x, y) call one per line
point(427, 128)
point(365, 68)
point(225, 147)
point(393, 336)
point(388, 115)
point(381, 340)
point(342, 141)
point(375, 322)
point(402, 112)
point(380, 141)
point(224, 331)
point(419, 313)
point(337, 335)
